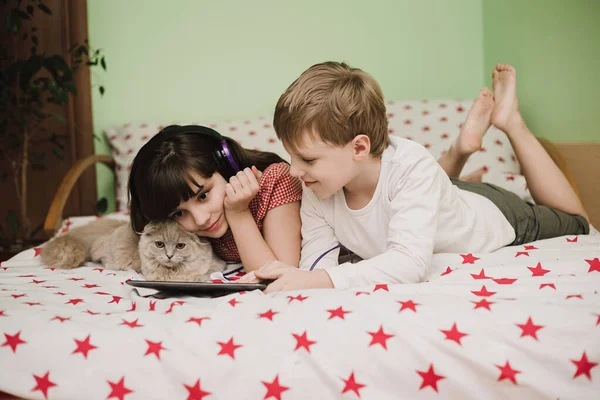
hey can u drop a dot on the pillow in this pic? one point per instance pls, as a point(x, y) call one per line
point(434, 124)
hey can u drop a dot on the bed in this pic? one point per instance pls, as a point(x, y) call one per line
point(522, 322)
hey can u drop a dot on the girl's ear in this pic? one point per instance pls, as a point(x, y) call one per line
point(361, 147)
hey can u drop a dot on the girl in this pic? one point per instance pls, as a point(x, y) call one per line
point(245, 201)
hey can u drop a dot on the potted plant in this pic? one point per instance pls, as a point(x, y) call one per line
point(32, 88)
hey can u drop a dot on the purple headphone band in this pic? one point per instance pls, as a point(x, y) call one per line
point(229, 156)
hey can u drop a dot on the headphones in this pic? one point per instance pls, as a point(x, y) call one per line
point(226, 164)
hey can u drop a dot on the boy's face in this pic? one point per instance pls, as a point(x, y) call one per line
point(324, 168)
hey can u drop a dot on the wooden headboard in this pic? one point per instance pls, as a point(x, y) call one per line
point(583, 160)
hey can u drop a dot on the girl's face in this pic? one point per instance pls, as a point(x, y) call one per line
point(203, 214)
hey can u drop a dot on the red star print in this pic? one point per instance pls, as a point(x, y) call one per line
point(381, 286)
point(483, 292)
point(233, 302)
point(154, 348)
point(74, 301)
point(300, 298)
point(61, 319)
point(538, 270)
point(27, 276)
point(543, 285)
point(447, 271)
point(352, 385)
point(152, 306)
point(584, 366)
point(338, 312)
point(454, 334)
point(481, 275)
point(196, 392)
point(408, 305)
point(268, 315)
point(598, 321)
point(16, 296)
point(132, 308)
point(197, 320)
point(43, 383)
point(115, 299)
point(510, 178)
point(359, 293)
point(102, 293)
point(529, 328)
point(460, 109)
point(504, 281)
point(228, 348)
point(469, 258)
point(430, 378)
point(521, 253)
point(574, 296)
point(594, 264)
point(118, 390)
point(31, 303)
point(303, 341)
point(75, 279)
point(84, 346)
point(131, 324)
point(506, 372)
point(380, 337)
point(501, 159)
point(13, 341)
point(407, 122)
point(574, 240)
point(2, 313)
point(173, 304)
point(90, 286)
point(274, 389)
point(91, 312)
point(38, 251)
point(36, 281)
point(531, 248)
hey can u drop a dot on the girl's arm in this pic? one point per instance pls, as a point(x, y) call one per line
point(281, 224)
point(281, 241)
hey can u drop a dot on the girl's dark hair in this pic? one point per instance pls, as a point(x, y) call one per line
point(160, 172)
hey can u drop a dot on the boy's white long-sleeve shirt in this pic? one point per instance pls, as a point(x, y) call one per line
point(416, 211)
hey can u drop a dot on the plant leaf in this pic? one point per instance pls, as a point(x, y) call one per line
point(44, 9)
point(13, 222)
point(58, 153)
point(58, 117)
point(102, 205)
point(103, 63)
point(101, 89)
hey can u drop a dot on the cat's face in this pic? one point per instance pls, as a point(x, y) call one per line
point(170, 245)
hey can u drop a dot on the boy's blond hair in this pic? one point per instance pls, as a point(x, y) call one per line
point(336, 103)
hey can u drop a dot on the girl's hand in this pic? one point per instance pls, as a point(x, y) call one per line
point(241, 189)
point(291, 278)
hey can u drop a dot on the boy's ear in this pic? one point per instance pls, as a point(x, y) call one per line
point(361, 147)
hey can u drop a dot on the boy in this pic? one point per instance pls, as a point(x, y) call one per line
point(387, 200)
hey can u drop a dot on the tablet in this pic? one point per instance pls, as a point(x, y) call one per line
point(196, 288)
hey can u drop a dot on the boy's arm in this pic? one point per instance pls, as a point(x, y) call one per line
point(415, 199)
point(317, 235)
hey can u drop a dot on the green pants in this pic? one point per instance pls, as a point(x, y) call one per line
point(530, 222)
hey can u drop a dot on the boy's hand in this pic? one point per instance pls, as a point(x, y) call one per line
point(291, 278)
point(241, 189)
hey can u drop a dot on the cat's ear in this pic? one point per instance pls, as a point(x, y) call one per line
point(151, 227)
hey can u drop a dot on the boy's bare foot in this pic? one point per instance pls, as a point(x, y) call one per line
point(506, 115)
point(476, 124)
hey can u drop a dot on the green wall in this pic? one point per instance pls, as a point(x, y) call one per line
point(555, 47)
point(211, 60)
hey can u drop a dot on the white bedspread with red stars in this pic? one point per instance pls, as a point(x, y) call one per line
point(523, 322)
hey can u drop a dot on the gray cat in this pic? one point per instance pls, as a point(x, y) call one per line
point(164, 251)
